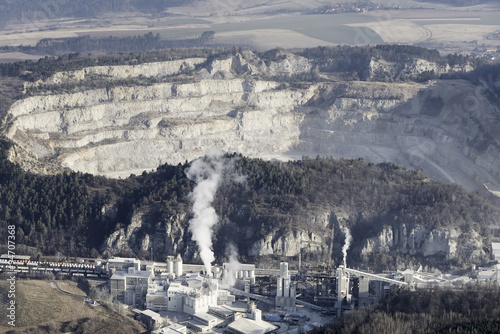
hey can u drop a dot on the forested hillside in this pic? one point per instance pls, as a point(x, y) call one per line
point(473, 309)
point(70, 212)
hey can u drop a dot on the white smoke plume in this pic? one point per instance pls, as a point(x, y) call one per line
point(233, 265)
point(347, 243)
point(207, 173)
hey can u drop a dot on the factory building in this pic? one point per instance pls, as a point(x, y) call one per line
point(192, 294)
point(240, 276)
point(286, 290)
point(251, 324)
point(122, 264)
point(495, 251)
point(130, 287)
point(157, 296)
point(172, 329)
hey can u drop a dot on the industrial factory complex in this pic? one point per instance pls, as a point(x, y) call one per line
point(173, 297)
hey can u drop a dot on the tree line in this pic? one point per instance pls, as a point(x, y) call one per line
point(86, 44)
point(472, 309)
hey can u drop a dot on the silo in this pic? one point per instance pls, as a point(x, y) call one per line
point(170, 264)
point(178, 265)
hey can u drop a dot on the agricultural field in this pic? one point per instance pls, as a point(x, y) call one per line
point(266, 25)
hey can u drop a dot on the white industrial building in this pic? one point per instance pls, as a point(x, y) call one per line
point(490, 273)
point(122, 264)
point(286, 290)
point(172, 329)
point(241, 276)
point(193, 294)
point(495, 251)
point(252, 324)
point(131, 287)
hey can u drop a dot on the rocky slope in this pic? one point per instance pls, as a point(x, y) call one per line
point(445, 127)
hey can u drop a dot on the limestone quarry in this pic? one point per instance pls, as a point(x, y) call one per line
point(125, 119)
point(244, 104)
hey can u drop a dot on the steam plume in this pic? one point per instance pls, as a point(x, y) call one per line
point(207, 173)
point(233, 265)
point(347, 243)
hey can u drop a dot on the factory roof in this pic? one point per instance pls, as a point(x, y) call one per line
point(176, 287)
point(487, 274)
point(222, 312)
point(136, 274)
point(495, 247)
point(123, 260)
point(205, 316)
point(157, 293)
point(172, 329)
point(250, 326)
point(151, 314)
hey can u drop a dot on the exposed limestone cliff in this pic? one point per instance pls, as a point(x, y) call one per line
point(446, 128)
point(168, 237)
point(171, 236)
point(448, 245)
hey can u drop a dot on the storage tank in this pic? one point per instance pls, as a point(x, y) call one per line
point(178, 265)
point(170, 264)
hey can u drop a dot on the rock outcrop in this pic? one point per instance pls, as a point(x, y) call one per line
point(445, 127)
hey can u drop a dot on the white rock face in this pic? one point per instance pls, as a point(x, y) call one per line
point(450, 131)
point(167, 236)
point(158, 69)
point(289, 244)
point(129, 129)
point(419, 240)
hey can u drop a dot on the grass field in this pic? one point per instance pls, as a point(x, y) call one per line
point(38, 305)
